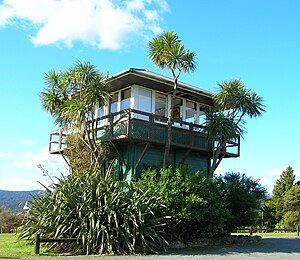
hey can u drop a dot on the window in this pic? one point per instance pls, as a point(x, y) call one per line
point(125, 98)
point(202, 115)
point(145, 100)
point(114, 103)
point(178, 109)
point(191, 112)
point(160, 104)
point(100, 113)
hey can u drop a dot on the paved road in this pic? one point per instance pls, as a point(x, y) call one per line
point(269, 248)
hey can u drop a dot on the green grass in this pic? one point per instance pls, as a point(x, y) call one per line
point(271, 234)
point(13, 248)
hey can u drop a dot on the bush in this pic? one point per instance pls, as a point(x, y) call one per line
point(108, 215)
point(9, 221)
point(193, 202)
point(243, 198)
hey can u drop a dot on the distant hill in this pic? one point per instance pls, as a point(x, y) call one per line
point(15, 200)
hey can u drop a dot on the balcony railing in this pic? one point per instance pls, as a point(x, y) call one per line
point(139, 126)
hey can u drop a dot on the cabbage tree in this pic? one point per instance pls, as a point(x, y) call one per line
point(71, 97)
point(167, 51)
point(233, 102)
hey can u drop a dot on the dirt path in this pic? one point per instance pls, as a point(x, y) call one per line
point(269, 248)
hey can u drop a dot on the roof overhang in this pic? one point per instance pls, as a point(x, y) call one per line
point(158, 82)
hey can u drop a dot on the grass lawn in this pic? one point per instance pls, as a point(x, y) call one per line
point(271, 234)
point(13, 248)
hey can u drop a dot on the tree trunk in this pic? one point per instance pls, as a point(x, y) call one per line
point(216, 160)
point(168, 145)
point(169, 127)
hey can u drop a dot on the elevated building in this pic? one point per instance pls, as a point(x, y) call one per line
point(135, 124)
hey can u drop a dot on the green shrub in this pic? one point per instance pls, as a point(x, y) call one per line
point(108, 215)
point(9, 221)
point(291, 219)
point(194, 202)
point(243, 198)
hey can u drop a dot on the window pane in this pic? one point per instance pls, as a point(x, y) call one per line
point(178, 109)
point(145, 100)
point(100, 113)
point(125, 98)
point(202, 115)
point(160, 104)
point(114, 103)
point(191, 112)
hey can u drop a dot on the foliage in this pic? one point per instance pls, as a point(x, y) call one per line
point(194, 202)
point(292, 207)
point(292, 219)
point(9, 221)
point(266, 214)
point(276, 204)
point(167, 51)
point(233, 102)
point(243, 198)
point(80, 156)
point(108, 215)
point(71, 97)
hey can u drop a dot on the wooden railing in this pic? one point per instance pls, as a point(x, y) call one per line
point(57, 141)
point(142, 126)
point(38, 240)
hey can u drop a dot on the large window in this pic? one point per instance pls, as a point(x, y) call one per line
point(125, 98)
point(114, 103)
point(178, 109)
point(191, 112)
point(145, 100)
point(100, 113)
point(202, 115)
point(160, 104)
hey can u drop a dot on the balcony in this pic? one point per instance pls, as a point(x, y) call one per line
point(135, 126)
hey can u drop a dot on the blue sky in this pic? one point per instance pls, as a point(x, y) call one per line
point(255, 41)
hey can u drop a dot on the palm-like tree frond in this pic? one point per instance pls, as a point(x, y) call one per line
point(233, 96)
point(167, 51)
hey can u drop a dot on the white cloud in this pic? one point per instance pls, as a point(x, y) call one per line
point(6, 154)
point(31, 160)
point(22, 184)
point(277, 171)
point(106, 24)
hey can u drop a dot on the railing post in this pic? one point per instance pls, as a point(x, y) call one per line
point(151, 127)
point(297, 230)
point(37, 243)
point(251, 230)
point(59, 138)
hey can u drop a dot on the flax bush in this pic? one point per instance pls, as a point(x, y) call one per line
point(108, 215)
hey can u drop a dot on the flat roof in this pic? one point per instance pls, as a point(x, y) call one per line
point(158, 82)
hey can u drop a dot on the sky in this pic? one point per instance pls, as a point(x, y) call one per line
point(255, 41)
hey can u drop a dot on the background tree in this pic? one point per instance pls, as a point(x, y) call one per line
point(233, 101)
point(243, 198)
point(282, 186)
point(292, 207)
point(71, 97)
point(167, 51)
